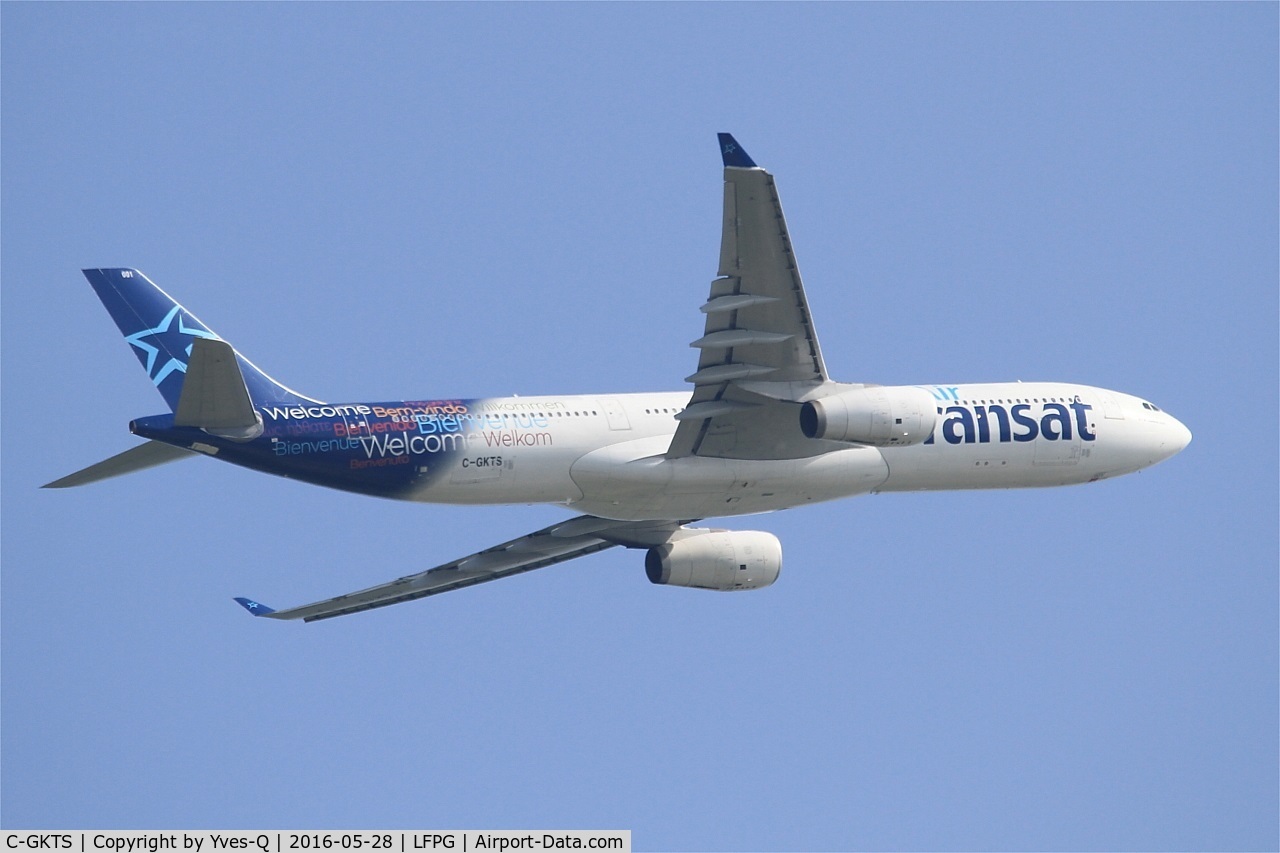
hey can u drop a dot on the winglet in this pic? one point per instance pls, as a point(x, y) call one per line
point(733, 153)
point(254, 607)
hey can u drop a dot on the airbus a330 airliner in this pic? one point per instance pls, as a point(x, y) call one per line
point(764, 429)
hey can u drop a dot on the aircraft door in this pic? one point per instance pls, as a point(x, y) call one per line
point(1110, 408)
point(615, 413)
point(1060, 452)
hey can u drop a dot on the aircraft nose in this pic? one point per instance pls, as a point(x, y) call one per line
point(1180, 435)
point(1174, 436)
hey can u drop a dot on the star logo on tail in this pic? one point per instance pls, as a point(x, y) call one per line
point(170, 337)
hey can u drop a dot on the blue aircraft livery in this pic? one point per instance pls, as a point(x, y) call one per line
point(1001, 422)
point(760, 427)
point(162, 333)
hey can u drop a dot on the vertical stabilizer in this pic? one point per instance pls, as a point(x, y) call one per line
point(162, 333)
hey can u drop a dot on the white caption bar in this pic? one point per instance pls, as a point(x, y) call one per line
point(304, 841)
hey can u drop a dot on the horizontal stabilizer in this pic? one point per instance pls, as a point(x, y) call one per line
point(214, 395)
point(135, 459)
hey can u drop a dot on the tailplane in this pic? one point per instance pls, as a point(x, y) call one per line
point(207, 384)
point(138, 458)
point(163, 333)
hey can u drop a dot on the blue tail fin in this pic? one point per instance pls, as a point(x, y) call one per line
point(162, 332)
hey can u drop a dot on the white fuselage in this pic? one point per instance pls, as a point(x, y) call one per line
point(606, 455)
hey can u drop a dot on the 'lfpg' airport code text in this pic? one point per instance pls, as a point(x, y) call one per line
point(454, 841)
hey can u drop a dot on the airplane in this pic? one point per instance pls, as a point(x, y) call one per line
point(764, 428)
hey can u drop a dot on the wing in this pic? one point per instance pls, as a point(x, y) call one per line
point(758, 330)
point(575, 537)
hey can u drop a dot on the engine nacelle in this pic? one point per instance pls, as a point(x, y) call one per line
point(878, 415)
point(722, 560)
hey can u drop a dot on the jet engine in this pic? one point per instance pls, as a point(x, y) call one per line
point(722, 560)
point(878, 415)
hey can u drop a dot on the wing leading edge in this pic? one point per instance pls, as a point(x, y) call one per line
point(758, 331)
point(575, 537)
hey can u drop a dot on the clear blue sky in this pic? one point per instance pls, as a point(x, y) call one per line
point(404, 200)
